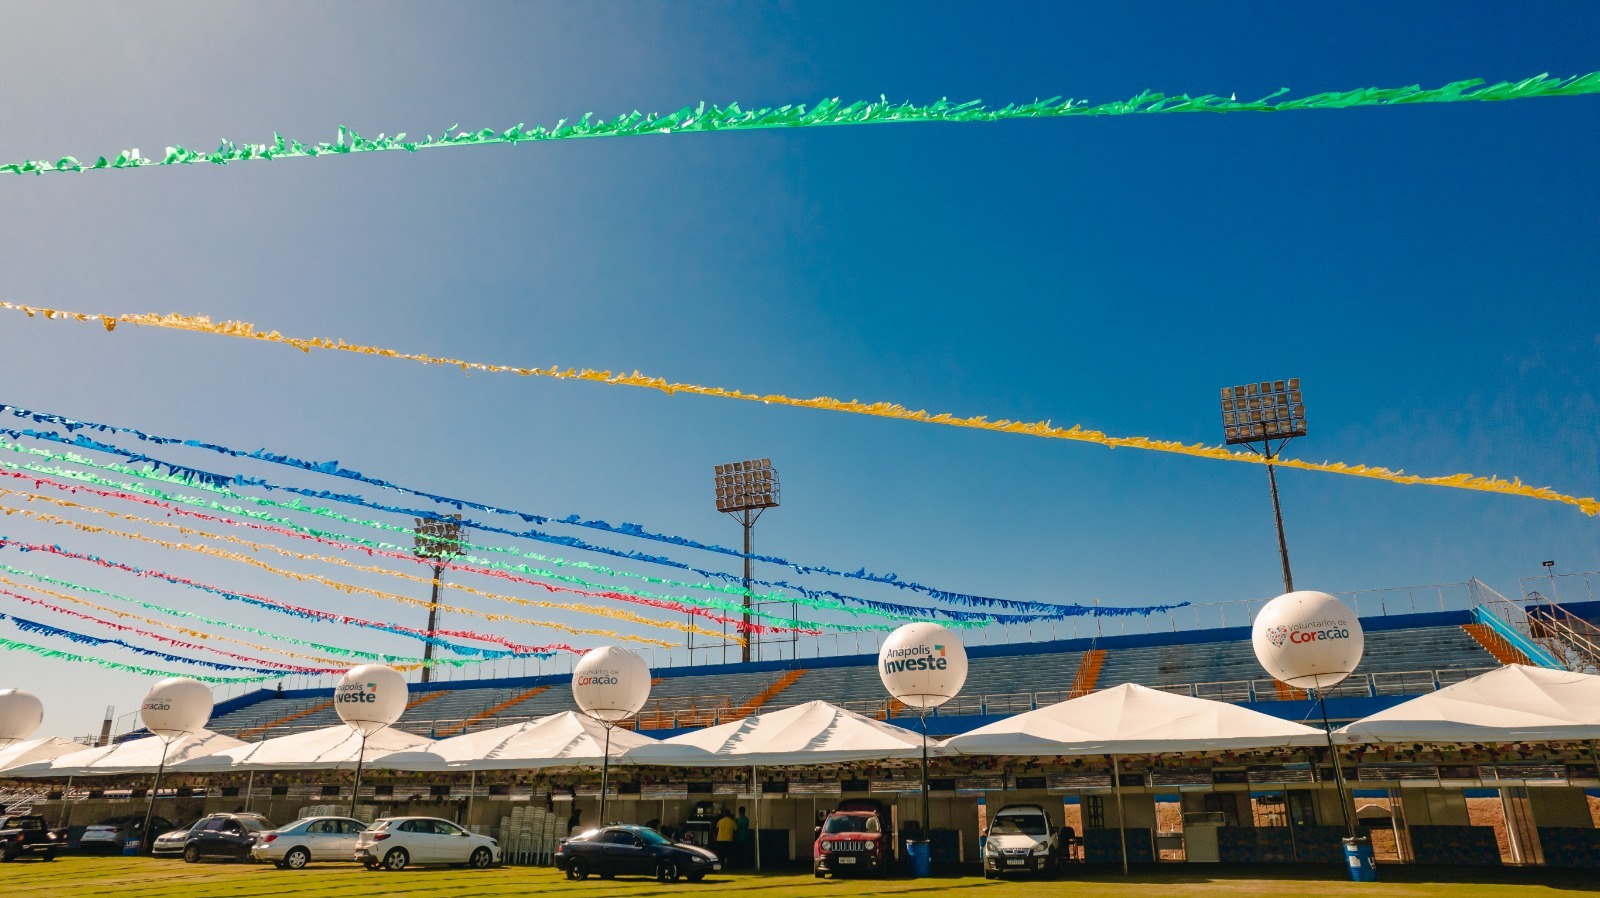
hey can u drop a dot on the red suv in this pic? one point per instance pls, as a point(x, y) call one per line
point(854, 839)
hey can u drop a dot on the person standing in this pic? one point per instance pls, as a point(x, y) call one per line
point(575, 822)
point(741, 841)
point(724, 837)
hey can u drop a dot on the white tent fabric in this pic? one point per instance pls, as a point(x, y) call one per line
point(1515, 703)
point(1132, 719)
point(568, 739)
point(133, 756)
point(329, 748)
point(33, 751)
point(812, 733)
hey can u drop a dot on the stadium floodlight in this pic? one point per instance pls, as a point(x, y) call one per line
point(1255, 415)
point(744, 490)
point(439, 541)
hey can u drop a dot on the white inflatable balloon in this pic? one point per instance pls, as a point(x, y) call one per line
point(1308, 639)
point(176, 707)
point(610, 683)
point(923, 665)
point(20, 715)
point(370, 697)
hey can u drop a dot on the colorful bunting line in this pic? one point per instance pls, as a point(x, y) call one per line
point(829, 113)
point(200, 479)
point(404, 662)
point(371, 547)
point(353, 589)
point(259, 664)
point(31, 626)
point(247, 331)
point(430, 636)
point(41, 651)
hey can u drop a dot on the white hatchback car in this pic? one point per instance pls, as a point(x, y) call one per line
point(309, 839)
point(393, 843)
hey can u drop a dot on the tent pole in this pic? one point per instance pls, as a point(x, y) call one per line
point(66, 803)
point(755, 788)
point(145, 842)
point(249, 790)
point(927, 823)
point(472, 791)
point(355, 790)
point(1122, 825)
point(605, 773)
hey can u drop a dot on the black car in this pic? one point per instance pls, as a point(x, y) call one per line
point(228, 836)
point(637, 850)
point(27, 835)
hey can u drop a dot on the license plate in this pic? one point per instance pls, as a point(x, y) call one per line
point(846, 860)
point(1015, 863)
point(715, 867)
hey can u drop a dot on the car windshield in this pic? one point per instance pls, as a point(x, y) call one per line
point(651, 837)
point(23, 823)
point(254, 824)
point(1019, 825)
point(843, 823)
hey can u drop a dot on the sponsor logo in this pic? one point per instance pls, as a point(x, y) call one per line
point(915, 657)
point(356, 694)
point(1300, 634)
point(598, 678)
point(156, 705)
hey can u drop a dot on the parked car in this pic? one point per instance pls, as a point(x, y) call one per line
point(1022, 839)
point(853, 839)
point(112, 834)
point(393, 843)
point(27, 835)
point(637, 850)
point(309, 839)
point(170, 844)
point(226, 836)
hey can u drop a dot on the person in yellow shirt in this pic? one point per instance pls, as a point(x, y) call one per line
point(724, 839)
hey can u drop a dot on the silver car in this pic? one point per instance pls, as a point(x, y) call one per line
point(170, 844)
point(309, 839)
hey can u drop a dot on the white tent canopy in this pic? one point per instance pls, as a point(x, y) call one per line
point(328, 748)
point(1515, 703)
point(568, 739)
point(31, 751)
point(1132, 719)
point(134, 756)
point(812, 733)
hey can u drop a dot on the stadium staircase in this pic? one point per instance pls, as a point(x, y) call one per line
point(1088, 675)
point(1575, 639)
point(1495, 644)
point(772, 691)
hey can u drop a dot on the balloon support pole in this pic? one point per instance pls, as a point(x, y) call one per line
point(1338, 768)
point(1122, 824)
point(605, 774)
point(145, 842)
point(355, 789)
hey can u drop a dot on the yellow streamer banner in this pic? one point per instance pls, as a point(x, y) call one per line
point(353, 589)
point(247, 331)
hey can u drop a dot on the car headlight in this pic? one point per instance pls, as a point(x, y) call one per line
point(991, 847)
point(1042, 848)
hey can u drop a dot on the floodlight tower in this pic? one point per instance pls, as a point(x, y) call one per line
point(439, 541)
point(744, 490)
point(1254, 415)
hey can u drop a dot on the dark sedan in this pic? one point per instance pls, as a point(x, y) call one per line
point(634, 850)
point(229, 836)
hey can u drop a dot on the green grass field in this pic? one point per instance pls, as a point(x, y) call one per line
point(144, 878)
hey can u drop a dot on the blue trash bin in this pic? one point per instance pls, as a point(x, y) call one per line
point(130, 848)
point(1358, 856)
point(919, 858)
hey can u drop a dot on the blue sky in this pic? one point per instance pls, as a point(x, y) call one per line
point(1428, 271)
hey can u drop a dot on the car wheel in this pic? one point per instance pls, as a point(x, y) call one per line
point(667, 871)
point(191, 854)
point(396, 860)
point(822, 876)
point(481, 859)
point(577, 869)
point(296, 859)
point(987, 874)
point(694, 877)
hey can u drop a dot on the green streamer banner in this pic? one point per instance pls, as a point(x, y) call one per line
point(828, 113)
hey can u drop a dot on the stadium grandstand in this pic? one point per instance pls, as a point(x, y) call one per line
point(1409, 652)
